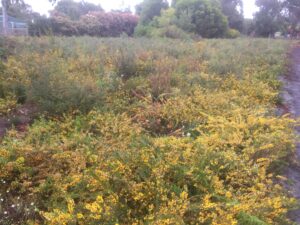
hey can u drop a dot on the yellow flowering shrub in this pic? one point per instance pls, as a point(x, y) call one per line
point(186, 142)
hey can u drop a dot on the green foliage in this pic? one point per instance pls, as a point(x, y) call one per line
point(127, 63)
point(148, 9)
point(245, 219)
point(163, 26)
point(275, 15)
point(56, 86)
point(293, 7)
point(233, 10)
point(167, 18)
point(231, 33)
point(171, 31)
point(202, 17)
point(143, 31)
point(57, 91)
point(40, 26)
point(269, 19)
point(249, 27)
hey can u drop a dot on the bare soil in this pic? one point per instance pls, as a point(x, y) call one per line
point(292, 104)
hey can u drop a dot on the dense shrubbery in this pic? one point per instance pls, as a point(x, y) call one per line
point(231, 33)
point(206, 18)
point(188, 19)
point(62, 25)
point(184, 20)
point(179, 133)
point(163, 26)
point(108, 24)
point(102, 24)
point(149, 9)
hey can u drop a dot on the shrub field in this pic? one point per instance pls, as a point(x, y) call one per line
point(139, 131)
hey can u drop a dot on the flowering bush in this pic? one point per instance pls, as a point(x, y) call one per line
point(111, 24)
point(101, 24)
point(181, 143)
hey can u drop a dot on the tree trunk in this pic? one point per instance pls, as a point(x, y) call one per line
point(5, 19)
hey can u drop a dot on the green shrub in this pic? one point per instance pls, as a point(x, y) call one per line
point(202, 17)
point(232, 33)
point(171, 32)
point(57, 90)
point(245, 219)
point(128, 63)
point(143, 31)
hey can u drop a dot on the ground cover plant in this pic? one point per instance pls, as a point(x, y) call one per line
point(139, 131)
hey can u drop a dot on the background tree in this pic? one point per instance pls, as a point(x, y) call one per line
point(163, 26)
point(21, 10)
point(202, 17)
point(148, 9)
point(248, 27)
point(41, 25)
point(233, 9)
point(74, 10)
point(292, 10)
point(269, 18)
point(174, 2)
point(15, 8)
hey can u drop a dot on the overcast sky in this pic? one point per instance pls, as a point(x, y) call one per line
point(43, 6)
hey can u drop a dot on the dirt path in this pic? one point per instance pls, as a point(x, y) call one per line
point(292, 98)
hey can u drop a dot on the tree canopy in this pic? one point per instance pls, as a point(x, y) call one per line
point(233, 10)
point(268, 19)
point(202, 17)
point(293, 13)
point(277, 15)
point(74, 10)
point(148, 9)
